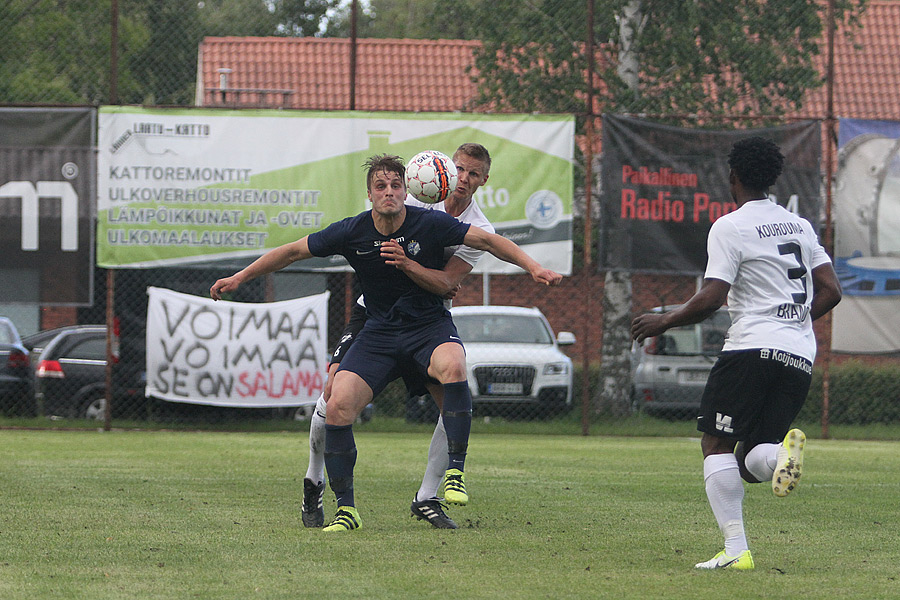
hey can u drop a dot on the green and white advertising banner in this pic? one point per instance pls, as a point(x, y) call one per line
point(201, 187)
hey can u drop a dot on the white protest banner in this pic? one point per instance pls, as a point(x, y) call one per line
point(235, 354)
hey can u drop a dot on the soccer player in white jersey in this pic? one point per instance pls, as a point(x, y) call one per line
point(473, 163)
point(768, 264)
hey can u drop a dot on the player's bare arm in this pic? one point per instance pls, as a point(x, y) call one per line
point(443, 282)
point(508, 251)
point(827, 290)
point(704, 303)
point(271, 261)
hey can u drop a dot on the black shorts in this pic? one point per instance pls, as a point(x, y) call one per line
point(754, 395)
point(357, 320)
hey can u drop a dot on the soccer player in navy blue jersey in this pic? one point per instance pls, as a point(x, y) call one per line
point(408, 326)
point(473, 163)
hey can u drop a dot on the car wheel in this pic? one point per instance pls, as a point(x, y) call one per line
point(94, 409)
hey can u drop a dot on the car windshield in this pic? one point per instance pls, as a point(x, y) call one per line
point(705, 338)
point(518, 329)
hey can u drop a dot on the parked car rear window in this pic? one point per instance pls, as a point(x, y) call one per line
point(6, 336)
point(502, 329)
point(706, 338)
point(90, 349)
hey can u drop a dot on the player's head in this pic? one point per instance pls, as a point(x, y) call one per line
point(476, 151)
point(384, 163)
point(473, 164)
point(756, 162)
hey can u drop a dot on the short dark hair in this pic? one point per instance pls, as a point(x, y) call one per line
point(387, 163)
point(476, 151)
point(757, 162)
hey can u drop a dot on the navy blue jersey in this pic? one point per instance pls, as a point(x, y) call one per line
point(391, 296)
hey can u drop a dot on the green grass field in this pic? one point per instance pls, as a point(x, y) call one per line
point(216, 515)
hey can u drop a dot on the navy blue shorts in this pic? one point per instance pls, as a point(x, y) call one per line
point(754, 395)
point(357, 320)
point(381, 354)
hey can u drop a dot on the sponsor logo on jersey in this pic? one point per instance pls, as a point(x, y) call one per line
point(787, 359)
point(413, 247)
point(376, 244)
point(723, 423)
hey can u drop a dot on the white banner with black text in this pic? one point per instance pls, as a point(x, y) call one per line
point(239, 354)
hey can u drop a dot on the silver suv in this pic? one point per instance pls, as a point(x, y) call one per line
point(669, 371)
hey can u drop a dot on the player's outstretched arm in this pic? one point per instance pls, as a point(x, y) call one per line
point(508, 251)
point(271, 261)
point(443, 282)
point(705, 302)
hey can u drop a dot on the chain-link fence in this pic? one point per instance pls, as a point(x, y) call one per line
point(706, 65)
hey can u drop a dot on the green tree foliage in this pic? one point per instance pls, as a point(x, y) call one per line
point(301, 18)
point(54, 52)
point(236, 17)
point(165, 66)
point(414, 19)
point(708, 57)
point(58, 51)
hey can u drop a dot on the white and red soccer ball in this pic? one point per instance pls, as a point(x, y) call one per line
point(431, 176)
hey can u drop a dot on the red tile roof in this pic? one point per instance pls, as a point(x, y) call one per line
point(430, 75)
point(313, 73)
point(867, 68)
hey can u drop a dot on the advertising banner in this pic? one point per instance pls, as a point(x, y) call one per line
point(867, 237)
point(236, 354)
point(47, 187)
point(664, 186)
point(199, 187)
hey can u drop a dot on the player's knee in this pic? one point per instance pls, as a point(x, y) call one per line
point(745, 474)
point(450, 371)
point(448, 363)
point(340, 412)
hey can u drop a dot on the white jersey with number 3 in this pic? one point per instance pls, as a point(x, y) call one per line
point(767, 254)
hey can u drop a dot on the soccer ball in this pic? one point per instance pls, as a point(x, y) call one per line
point(431, 176)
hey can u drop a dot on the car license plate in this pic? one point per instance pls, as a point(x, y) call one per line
point(692, 376)
point(505, 388)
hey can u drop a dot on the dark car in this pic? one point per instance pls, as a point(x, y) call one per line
point(36, 342)
point(71, 373)
point(16, 375)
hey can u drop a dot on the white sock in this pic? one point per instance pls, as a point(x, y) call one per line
point(761, 461)
point(438, 462)
point(316, 469)
point(725, 491)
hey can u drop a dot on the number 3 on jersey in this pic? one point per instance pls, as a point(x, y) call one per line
point(797, 272)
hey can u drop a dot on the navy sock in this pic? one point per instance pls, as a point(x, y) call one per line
point(457, 416)
point(340, 458)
